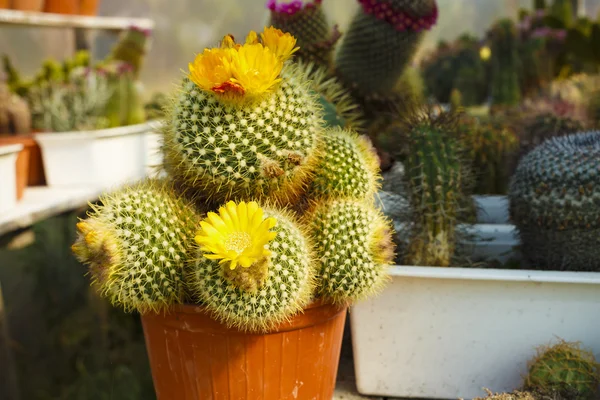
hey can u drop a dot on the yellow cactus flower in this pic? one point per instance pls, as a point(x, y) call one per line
point(282, 44)
point(252, 38)
point(237, 235)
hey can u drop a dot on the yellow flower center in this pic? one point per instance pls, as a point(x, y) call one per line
point(240, 72)
point(238, 235)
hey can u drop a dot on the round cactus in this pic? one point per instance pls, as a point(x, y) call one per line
point(136, 244)
point(308, 23)
point(554, 203)
point(254, 135)
point(565, 369)
point(265, 275)
point(354, 248)
point(348, 168)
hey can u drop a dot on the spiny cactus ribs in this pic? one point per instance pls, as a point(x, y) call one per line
point(555, 203)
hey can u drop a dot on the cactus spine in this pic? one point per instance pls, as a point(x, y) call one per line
point(554, 203)
point(506, 90)
point(136, 244)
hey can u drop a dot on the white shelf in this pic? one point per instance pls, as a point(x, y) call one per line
point(29, 18)
point(42, 202)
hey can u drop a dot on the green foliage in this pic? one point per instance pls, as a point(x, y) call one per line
point(554, 203)
point(505, 87)
point(565, 369)
point(250, 150)
point(354, 250)
point(136, 245)
point(268, 292)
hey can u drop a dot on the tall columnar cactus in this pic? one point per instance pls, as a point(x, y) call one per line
point(566, 370)
point(136, 245)
point(348, 167)
point(131, 48)
point(554, 203)
point(125, 105)
point(249, 127)
point(309, 25)
point(355, 248)
point(380, 42)
point(436, 180)
point(265, 270)
point(506, 90)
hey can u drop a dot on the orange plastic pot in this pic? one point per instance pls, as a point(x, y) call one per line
point(5, 4)
point(62, 6)
point(28, 5)
point(30, 168)
point(88, 7)
point(194, 357)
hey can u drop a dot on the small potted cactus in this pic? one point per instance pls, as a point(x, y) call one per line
point(243, 260)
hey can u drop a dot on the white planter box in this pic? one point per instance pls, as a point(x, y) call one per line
point(8, 176)
point(153, 157)
point(445, 333)
point(492, 209)
point(100, 157)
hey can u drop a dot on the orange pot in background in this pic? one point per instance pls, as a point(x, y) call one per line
point(62, 6)
point(88, 7)
point(5, 4)
point(30, 170)
point(27, 5)
point(193, 357)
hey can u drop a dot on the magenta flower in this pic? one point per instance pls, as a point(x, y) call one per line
point(291, 7)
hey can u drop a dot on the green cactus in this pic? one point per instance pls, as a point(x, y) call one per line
point(554, 203)
point(539, 4)
point(566, 370)
point(125, 106)
point(545, 126)
point(348, 167)
point(309, 25)
point(562, 10)
point(131, 48)
point(380, 42)
point(225, 150)
point(15, 116)
point(136, 245)
point(436, 180)
point(505, 86)
point(270, 290)
point(489, 145)
point(355, 248)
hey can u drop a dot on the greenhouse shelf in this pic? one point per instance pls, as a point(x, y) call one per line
point(28, 18)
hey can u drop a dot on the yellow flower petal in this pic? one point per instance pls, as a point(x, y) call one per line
point(280, 43)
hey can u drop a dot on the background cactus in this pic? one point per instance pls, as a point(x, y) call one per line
point(131, 48)
point(125, 106)
point(136, 245)
point(348, 167)
point(554, 203)
point(354, 249)
point(309, 25)
point(545, 126)
point(564, 369)
point(227, 150)
point(380, 42)
point(268, 292)
point(505, 87)
point(15, 116)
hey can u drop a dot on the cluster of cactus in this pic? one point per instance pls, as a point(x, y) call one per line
point(308, 23)
point(489, 145)
point(554, 203)
point(565, 370)
point(505, 85)
point(15, 116)
point(243, 152)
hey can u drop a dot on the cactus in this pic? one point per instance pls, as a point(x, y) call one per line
point(565, 369)
point(554, 203)
point(309, 25)
point(155, 108)
point(436, 180)
point(545, 126)
point(228, 140)
point(506, 90)
point(131, 48)
point(380, 42)
point(455, 99)
point(124, 106)
point(136, 245)
point(562, 10)
point(339, 108)
point(355, 248)
point(15, 116)
point(489, 145)
point(272, 286)
point(348, 167)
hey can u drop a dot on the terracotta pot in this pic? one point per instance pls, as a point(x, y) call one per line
point(30, 169)
point(5, 4)
point(62, 6)
point(27, 5)
point(193, 357)
point(88, 7)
